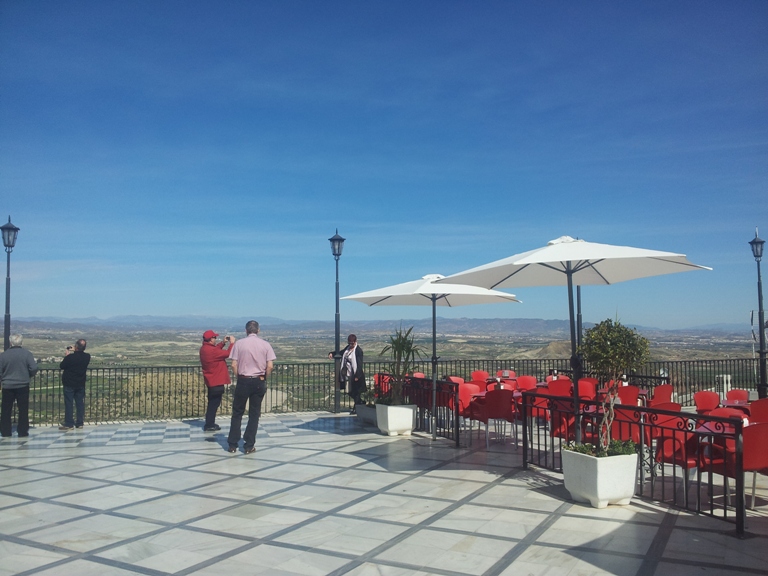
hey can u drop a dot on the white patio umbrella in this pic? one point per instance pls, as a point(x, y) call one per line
point(425, 291)
point(568, 261)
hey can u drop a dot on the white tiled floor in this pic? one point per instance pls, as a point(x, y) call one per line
point(332, 498)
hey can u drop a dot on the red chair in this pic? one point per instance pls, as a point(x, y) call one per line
point(676, 445)
point(466, 391)
point(563, 421)
point(661, 394)
point(626, 424)
point(560, 387)
point(457, 379)
point(381, 385)
point(419, 375)
point(499, 405)
point(758, 411)
point(526, 382)
point(628, 395)
point(706, 401)
point(588, 388)
point(737, 395)
point(479, 376)
point(722, 460)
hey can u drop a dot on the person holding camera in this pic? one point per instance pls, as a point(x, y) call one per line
point(74, 368)
point(213, 358)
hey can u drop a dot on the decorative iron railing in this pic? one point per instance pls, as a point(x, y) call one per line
point(143, 393)
point(686, 459)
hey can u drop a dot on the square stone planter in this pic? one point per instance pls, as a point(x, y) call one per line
point(600, 481)
point(394, 420)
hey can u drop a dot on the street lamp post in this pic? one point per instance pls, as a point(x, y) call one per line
point(9, 241)
point(757, 251)
point(337, 245)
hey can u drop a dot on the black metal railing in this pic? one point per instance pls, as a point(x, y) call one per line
point(144, 393)
point(686, 458)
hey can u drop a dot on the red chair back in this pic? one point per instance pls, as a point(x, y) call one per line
point(505, 374)
point(628, 395)
point(661, 394)
point(526, 382)
point(706, 401)
point(466, 390)
point(479, 376)
point(756, 447)
point(588, 388)
point(560, 387)
point(456, 379)
point(758, 410)
point(727, 413)
point(381, 384)
point(736, 394)
point(675, 443)
point(626, 424)
point(419, 375)
point(499, 404)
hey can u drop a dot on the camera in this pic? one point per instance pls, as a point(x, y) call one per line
point(70, 348)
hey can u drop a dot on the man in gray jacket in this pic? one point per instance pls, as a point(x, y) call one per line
point(17, 367)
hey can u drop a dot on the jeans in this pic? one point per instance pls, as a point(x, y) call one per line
point(76, 395)
point(214, 401)
point(251, 390)
point(21, 397)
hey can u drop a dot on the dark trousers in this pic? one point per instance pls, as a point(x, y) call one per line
point(21, 397)
point(74, 396)
point(214, 401)
point(251, 390)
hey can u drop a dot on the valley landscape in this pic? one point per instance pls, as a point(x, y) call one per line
point(164, 341)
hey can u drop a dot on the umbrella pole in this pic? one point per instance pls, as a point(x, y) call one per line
point(576, 371)
point(434, 365)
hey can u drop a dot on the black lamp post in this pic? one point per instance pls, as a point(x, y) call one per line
point(337, 245)
point(9, 241)
point(757, 252)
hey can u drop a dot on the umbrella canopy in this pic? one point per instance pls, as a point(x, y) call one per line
point(426, 292)
point(567, 261)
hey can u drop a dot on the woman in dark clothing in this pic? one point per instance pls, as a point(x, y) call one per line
point(351, 375)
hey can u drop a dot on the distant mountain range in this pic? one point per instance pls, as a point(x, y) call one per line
point(517, 326)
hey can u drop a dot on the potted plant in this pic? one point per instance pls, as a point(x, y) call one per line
point(392, 417)
point(606, 472)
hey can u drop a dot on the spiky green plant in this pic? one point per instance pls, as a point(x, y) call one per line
point(404, 353)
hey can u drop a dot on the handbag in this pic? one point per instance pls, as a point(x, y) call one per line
point(343, 377)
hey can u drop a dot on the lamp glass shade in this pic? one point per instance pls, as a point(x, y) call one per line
point(756, 244)
point(9, 234)
point(337, 244)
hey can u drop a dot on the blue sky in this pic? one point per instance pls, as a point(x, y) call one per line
point(174, 158)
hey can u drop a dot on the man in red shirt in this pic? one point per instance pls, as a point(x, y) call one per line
point(213, 358)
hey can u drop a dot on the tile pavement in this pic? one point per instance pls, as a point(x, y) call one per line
point(326, 495)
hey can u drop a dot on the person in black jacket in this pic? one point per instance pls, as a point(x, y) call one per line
point(74, 369)
point(351, 376)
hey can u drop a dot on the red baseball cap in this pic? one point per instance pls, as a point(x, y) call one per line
point(210, 334)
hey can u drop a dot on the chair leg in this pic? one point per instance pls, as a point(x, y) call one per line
point(754, 485)
point(487, 445)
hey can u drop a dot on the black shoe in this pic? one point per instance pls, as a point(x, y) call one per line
point(232, 449)
point(353, 411)
point(63, 428)
point(214, 428)
point(79, 427)
point(250, 450)
point(23, 435)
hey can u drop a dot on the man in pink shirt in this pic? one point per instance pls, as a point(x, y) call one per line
point(252, 361)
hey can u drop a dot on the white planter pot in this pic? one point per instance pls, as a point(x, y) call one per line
point(366, 414)
point(394, 420)
point(600, 481)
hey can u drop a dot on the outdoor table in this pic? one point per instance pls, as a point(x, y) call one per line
point(542, 384)
point(742, 405)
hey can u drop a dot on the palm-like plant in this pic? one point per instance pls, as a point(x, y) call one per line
point(404, 353)
point(612, 350)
